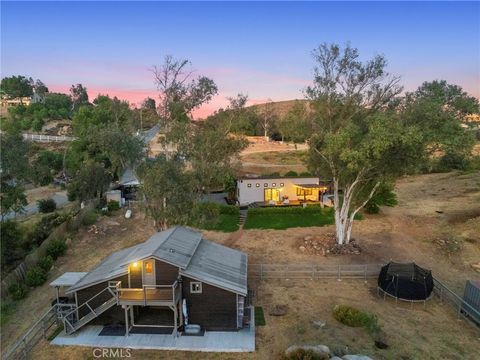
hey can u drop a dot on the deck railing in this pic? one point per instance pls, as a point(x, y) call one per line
point(149, 294)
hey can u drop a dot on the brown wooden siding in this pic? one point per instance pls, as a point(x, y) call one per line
point(86, 294)
point(166, 274)
point(213, 309)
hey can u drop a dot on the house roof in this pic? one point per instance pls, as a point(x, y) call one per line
point(68, 279)
point(128, 178)
point(196, 257)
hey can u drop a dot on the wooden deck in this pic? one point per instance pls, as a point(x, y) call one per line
point(163, 297)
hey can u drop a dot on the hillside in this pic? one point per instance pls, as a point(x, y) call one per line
point(280, 108)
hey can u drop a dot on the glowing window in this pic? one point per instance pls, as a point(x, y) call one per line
point(265, 185)
point(249, 185)
point(274, 185)
point(281, 184)
point(257, 185)
point(149, 267)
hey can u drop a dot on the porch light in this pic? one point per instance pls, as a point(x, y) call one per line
point(135, 264)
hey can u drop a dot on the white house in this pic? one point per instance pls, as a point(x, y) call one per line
point(280, 190)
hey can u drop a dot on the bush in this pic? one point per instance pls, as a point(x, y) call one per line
point(229, 209)
point(36, 276)
point(89, 218)
point(305, 174)
point(291, 173)
point(46, 263)
point(37, 125)
point(206, 214)
point(453, 161)
point(303, 354)
point(113, 205)
point(46, 205)
point(350, 316)
point(17, 291)
point(56, 248)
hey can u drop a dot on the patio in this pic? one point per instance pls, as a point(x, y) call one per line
point(212, 341)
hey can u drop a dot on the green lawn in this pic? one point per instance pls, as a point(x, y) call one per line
point(227, 220)
point(288, 217)
point(259, 316)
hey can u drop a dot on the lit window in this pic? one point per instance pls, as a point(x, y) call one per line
point(281, 184)
point(249, 185)
point(148, 267)
point(265, 185)
point(257, 185)
point(195, 287)
point(274, 185)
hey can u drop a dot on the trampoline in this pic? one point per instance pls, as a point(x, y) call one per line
point(408, 282)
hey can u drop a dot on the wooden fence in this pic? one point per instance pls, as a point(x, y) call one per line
point(312, 271)
point(39, 330)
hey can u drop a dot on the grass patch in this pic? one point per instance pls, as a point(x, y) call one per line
point(259, 316)
point(54, 334)
point(289, 217)
point(225, 217)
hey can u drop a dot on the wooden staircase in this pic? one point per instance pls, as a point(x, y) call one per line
point(71, 324)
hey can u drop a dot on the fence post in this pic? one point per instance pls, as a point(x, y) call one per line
point(365, 274)
point(313, 272)
point(338, 274)
point(261, 272)
point(285, 272)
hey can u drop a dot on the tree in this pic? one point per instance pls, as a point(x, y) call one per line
point(212, 153)
point(40, 88)
point(149, 104)
point(167, 189)
point(268, 117)
point(296, 125)
point(438, 109)
point(14, 170)
point(122, 150)
point(16, 86)
point(360, 144)
point(79, 95)
point(179, 93)
point(90, 182)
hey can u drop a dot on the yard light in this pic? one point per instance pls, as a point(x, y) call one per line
point(135, 264)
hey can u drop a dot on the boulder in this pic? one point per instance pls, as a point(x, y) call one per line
point(319, 324)
point(356, 357)
point(308, 238)
point(302, 248)
point(317, 349)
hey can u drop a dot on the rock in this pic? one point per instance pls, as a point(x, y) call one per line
point(317, 349)
point(319, 324)
point(278, 310)
point(308, 238)
point(112, 223)
point(476, 267)
point(302, 248)
point(381, 340)
point(356, 357)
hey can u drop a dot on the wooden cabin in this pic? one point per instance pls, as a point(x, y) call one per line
point(173, 279)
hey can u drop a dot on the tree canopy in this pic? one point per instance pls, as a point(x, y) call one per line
point(17, 86)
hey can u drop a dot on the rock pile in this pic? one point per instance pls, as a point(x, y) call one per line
point(323, 352)
point(325, 244)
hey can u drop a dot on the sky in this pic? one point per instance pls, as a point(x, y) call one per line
point(262, 49)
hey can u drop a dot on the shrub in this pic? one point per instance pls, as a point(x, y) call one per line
point(229, 209)
point(37, 125)
point(17, 291)
point(305, 173)
point(89, 218)
point(46, 205)
point(291, 173)
point(46, 263)
point(113, 205)
point(56, 248)
point(259, 316)
point(453, 161)
point(206, 214)
point(36, 276)
point(304, 354)
point(350, 316)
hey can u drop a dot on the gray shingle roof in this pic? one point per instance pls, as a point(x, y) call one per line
point(198, 258)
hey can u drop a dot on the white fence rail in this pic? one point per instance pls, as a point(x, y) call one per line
point(47, 138)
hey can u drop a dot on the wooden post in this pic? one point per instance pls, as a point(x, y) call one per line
point(338, 274)
point(126, 320)
point(261, 271)
point(175, 320)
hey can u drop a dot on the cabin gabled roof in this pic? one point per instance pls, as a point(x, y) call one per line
point(196, 257)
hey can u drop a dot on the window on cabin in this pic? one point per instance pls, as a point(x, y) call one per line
point(195, 287)
point(257, 185)
point(303, 192)
point(249, 185)
point(149, 267)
